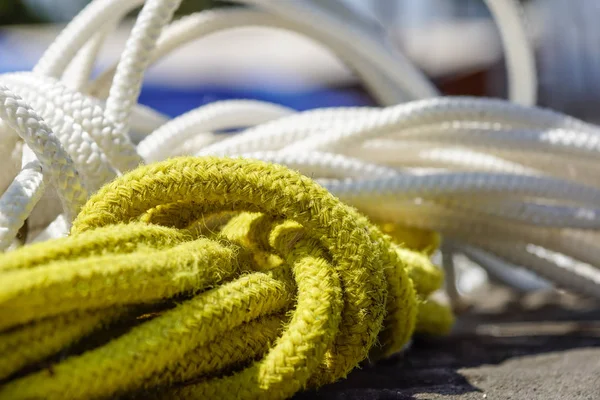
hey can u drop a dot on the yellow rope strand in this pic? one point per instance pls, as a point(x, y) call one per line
point(223, 353)
point(104, 281)
point(46, 337)
point(417, 239)
point(278, 286)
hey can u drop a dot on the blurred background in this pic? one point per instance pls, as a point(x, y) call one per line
point(454, 41)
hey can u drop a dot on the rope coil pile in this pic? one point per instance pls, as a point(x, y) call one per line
point(487, 174)
point(178, 276)
point(254, 253)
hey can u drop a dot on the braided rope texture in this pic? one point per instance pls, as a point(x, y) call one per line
point(51, 154)
point(210, 278)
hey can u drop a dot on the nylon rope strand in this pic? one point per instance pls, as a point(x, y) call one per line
point(486, 174)
point(192, 287)
point(236, 261)
point(448, 135)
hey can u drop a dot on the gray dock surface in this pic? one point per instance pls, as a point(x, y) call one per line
point(544, 346)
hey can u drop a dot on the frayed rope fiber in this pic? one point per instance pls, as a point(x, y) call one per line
point(208, 278)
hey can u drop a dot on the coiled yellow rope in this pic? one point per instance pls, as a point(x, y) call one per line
point(208, 278)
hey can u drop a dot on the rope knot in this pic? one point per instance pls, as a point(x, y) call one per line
point(208, 278)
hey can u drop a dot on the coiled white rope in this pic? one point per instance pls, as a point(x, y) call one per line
point(503, 181)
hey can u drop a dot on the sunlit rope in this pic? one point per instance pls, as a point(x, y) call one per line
point(458, 166)
point(262, 259)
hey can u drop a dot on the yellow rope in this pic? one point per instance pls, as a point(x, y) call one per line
point(209, 278)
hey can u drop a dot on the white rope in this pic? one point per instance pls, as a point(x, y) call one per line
point(520, 60)
point(204, 24)
point(494, 177)
point(213, 117)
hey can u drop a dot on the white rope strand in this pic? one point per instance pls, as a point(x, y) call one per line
point(497, 178)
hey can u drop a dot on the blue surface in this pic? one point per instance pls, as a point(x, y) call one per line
point(174, 101)
point(11, 58)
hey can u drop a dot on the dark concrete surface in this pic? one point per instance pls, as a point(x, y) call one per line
point(544, 346)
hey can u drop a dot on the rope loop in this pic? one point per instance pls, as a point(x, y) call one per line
point(208, 278)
